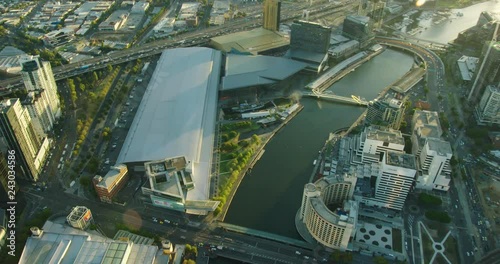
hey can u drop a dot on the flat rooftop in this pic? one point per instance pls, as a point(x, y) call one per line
point(177, 114)
point(247, 70)
point(112, 175)
point(427, 120)
point(400, 160)
point(254, 41)
point(467, 66)
point(60, 243)
point(443, 148)
point(384, 134)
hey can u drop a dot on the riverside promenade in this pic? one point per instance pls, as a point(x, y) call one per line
point(340, 70)
point(267, 137)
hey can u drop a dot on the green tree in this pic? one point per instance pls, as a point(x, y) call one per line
point(427, 199)
point(85, 181)
point(380, 260)
point(95, 78)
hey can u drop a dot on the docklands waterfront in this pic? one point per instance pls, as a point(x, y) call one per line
point(269, 196)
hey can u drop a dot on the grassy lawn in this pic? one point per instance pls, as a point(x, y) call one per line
point(427, 246)
point(397, 240)
point(439, 259)
point(437, 230)
point(451, 249)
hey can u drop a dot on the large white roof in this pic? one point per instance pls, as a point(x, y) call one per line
point(177, 114)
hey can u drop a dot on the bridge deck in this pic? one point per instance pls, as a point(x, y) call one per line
point(266, 235)
point(337, 98)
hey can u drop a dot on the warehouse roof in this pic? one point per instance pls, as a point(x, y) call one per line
point(253, 41)
point(245, 71)
point(177, 114)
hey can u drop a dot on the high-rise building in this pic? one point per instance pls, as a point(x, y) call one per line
point(37, 108)
point(387, 112)
point(487, 71)
point(328, 211)
point(396, 179)
point(375, 140)
point(310, 36)
point(359, 28)
point(309, 42)
point(271, 17)
point(425, 124)
point(38, 77)
point(434, 165)
point(4, 179)
point(18, 130)
point(488, 109)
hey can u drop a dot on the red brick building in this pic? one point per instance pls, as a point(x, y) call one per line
point(109, 185)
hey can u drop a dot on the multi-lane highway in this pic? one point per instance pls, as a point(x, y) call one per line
point(193, 38)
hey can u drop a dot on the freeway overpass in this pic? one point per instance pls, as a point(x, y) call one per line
point(194, 38)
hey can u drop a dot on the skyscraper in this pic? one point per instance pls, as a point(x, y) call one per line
point(271, 17)
point(488, 72)
point(41, 86)
point(488, 109)
point(396, 179)
point(434, 165)
point(18, 130)
point(358, 27)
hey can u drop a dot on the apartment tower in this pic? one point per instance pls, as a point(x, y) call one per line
point(17, 128)
point(271, 17)
point(42, 101)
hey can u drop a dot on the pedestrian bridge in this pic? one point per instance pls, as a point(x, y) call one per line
point(356, 100)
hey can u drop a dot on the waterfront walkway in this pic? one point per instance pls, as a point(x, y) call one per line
point(337, 98)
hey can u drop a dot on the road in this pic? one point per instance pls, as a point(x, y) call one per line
point(460, 200)
point(140, 217)
point(194, 38)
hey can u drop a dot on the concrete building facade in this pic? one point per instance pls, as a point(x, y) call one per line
point(374, 140)
point(18, 130)
point(37, 76)
point(434, 165)
point(271, 16)
point(328, 211)
point(387, 112)
point(488, 72)
point(396, 179)
point(487, 111)
point(425, 124)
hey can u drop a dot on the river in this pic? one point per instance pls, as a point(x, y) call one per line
point(270, 195)
point(448, 31)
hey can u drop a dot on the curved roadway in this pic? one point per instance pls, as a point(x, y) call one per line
point(435, 82)
point(194, 38)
